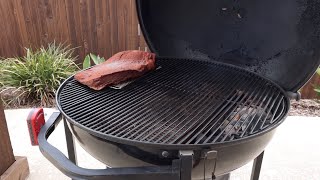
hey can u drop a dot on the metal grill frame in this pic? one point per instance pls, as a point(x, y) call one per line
point(183, 146)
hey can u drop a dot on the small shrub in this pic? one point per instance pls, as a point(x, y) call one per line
point(36, 76)
point(96, 60)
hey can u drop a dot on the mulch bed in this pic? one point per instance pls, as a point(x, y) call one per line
point(305, 107)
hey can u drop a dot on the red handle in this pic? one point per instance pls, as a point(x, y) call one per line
point(35, 121)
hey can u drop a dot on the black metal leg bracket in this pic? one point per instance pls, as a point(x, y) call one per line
point(186, 164)
point(257, 163)
point(69, 168)
point(70, 143)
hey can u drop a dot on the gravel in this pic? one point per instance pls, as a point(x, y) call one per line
point(305, 107)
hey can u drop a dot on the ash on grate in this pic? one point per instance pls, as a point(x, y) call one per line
point(244, 122)
point(239, 123)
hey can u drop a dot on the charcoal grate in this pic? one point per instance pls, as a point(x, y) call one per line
point(186, 102)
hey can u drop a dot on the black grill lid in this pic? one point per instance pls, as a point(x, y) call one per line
point(279, 39)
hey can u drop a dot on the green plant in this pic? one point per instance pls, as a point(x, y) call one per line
point(36, 76)
point(96, 60)
point(317, 87)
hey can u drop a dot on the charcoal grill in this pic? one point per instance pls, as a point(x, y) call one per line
point(185, 104)
point(213, 104)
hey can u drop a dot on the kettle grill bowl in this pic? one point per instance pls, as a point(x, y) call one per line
point(230, 156)
point(219, 107)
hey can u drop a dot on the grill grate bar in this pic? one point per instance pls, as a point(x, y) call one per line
point(253, 118)
point(223, 110)
point(121, 123)
point(182, 81)
point(104, 115)
point(127, 120)
point(123, 99)
point(75, 91)
point(206, 110)
point(79, 101)
point(272, 105)
point(131, 124)
point(228, 123)
point(110, 115)
point(246, 113)
point(264, 110)
point(88, 113)
point(139, 126)
point(173, 118)
point(273, 118)
point(258, 114)
point(174, 130)
point(264, 92)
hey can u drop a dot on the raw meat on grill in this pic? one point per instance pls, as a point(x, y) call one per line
point(121, 67)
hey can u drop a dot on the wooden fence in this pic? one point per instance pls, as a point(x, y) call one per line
point(98, 26)
point(102, 27)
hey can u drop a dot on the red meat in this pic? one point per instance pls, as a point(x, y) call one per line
point(121, 67)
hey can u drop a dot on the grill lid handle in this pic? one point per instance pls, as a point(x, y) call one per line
point(60, 161)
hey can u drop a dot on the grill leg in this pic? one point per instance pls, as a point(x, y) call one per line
point(223, 177)
point(257, 167)
point(186, 158)
point(70, 143)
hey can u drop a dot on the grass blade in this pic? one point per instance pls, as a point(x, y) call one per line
point(86, 63)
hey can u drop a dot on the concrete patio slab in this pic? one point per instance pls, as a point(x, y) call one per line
point(293, 154)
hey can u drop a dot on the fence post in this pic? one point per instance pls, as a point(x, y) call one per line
point(7, 158)
point(10, 167)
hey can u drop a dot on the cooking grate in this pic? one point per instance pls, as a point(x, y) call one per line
point(186, 102)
